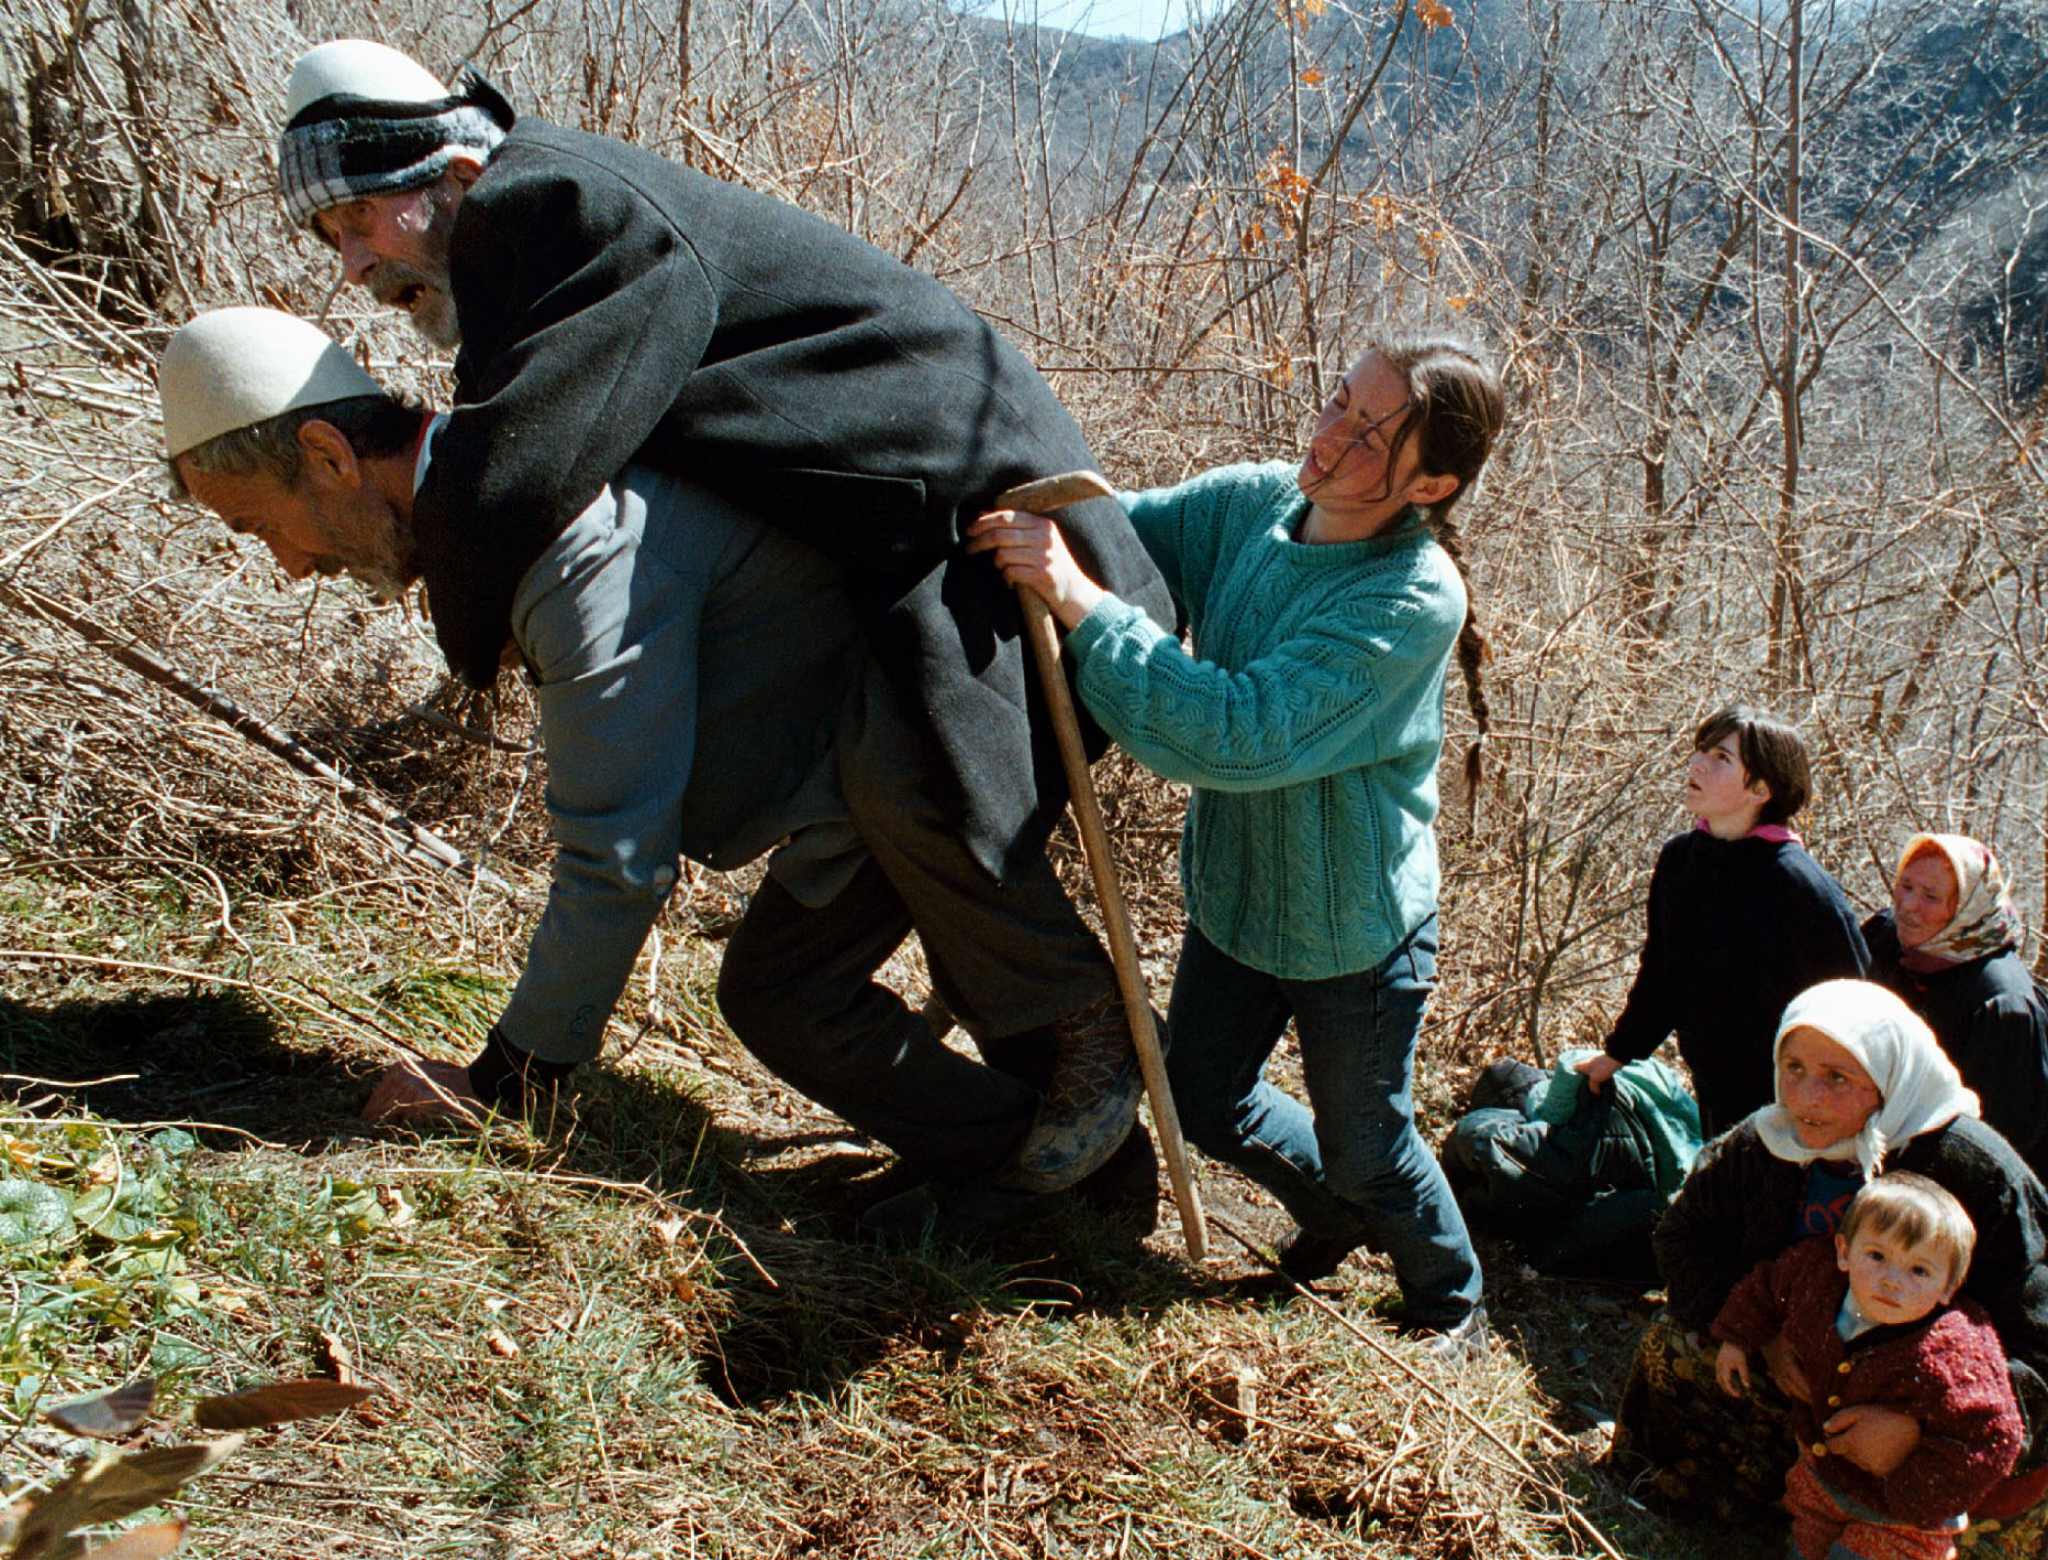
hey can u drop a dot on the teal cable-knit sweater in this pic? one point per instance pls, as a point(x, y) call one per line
point(1308, 719)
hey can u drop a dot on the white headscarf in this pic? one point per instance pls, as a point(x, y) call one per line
point(1919, 1088)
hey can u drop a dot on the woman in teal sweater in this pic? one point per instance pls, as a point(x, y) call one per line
point(1324, 603)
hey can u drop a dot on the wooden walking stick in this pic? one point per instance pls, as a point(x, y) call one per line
point(1043, 630)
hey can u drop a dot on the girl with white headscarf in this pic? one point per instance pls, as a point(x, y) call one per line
point(1949, 945)
point(1861, 1086)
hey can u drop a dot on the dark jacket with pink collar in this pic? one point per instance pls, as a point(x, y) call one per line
point(1947, 1371)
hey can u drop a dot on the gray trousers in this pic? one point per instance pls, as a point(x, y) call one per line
point(798, 984)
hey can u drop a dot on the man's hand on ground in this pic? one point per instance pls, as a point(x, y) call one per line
point(417, 1092)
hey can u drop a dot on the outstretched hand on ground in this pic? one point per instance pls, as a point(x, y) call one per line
point(417, 1092)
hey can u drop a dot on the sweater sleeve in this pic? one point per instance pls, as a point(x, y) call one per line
point(1651, 1012)
point(1969, 1425)
point(618, 716)
point(583, 311)
point(1307, 708)
point(1700, 1237)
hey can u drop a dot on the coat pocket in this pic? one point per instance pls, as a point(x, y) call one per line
point(875, 524)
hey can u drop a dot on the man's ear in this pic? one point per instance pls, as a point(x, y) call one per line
point(328, 456)
point(465, 169)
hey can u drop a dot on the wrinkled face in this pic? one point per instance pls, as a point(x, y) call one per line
point(1825, 1089)
point(1718, 788)
point(1924, 898)
point(1894, 1282)
point(310, 528)
point(396, 246)
point(1348, 468)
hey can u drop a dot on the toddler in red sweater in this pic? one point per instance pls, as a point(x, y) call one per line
point(1872, 1317)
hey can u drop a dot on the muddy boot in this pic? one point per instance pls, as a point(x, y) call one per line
point(1088, 1106)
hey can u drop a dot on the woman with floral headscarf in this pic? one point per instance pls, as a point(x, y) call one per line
point(1950, 946)
point(1861, 1086)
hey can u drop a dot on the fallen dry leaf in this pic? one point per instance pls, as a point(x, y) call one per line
point(336, 1360)
point(151, 1541)
point(107, 1415)
point(276, 1403)
point(110, 1487)
point(501, 1344)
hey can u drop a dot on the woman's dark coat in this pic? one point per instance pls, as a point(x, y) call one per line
point(1992, 1020)
point(618, 307)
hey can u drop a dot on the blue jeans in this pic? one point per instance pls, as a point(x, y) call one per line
point(1356, 1170)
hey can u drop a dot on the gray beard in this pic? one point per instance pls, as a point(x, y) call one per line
point(381, 587)
point(436, 322)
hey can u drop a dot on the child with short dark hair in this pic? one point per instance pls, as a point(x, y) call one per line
point(1872, 1317)
point(1741, 920)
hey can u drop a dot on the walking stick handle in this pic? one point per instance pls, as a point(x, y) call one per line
point(1043, 630)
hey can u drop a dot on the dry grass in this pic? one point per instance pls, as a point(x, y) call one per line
point(649, 1330)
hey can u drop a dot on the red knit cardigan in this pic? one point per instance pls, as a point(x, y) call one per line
point(1947, 1371)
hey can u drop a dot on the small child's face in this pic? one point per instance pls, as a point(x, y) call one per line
point(1894, 1282)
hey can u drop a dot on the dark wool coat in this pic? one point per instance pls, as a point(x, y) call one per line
point(618, 307)
point(1992, 1020)
point(1737, 929)
point(1946, 1370)
point(1737, 1210)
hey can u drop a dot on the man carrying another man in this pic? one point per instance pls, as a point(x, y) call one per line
point(622, 317)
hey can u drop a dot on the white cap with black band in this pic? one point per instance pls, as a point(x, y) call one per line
point(363, 120)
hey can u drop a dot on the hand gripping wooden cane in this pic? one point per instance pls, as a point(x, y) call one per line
point(1043, 630)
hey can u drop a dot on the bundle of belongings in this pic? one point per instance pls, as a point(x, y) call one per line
point(1577, 1179)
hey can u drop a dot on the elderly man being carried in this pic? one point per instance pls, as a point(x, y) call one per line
point(704, 690)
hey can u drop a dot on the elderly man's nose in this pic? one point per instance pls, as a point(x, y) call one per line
point(357, 259)
point(295, 563)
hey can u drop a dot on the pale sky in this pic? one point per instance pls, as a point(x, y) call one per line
point(1149, 20)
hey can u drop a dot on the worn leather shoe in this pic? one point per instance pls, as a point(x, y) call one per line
point(1459, 1345)
point(1089, 1105)
point(1308, 1256)
point(1125, 1191)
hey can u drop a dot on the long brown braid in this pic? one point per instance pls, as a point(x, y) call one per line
point(1458, 413)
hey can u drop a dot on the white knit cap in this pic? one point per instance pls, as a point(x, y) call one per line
point(362, 69)
point(234, 367)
